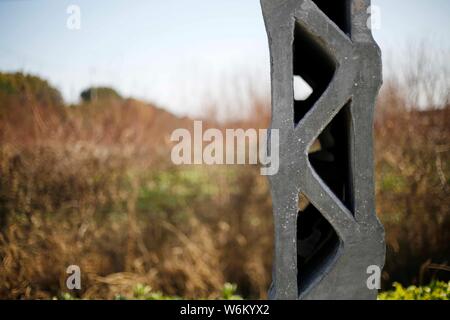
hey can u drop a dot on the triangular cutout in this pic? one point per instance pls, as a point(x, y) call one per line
point(338, 11)
point(314, 65)
point(332, 160)
point(317, 244)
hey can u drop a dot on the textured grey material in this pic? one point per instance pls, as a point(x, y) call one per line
point(323, 248)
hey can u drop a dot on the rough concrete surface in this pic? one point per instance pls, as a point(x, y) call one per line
point(326, 230)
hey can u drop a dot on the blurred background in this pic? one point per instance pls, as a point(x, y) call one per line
point(89, 95)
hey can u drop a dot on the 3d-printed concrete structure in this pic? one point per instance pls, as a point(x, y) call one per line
point(326, 230)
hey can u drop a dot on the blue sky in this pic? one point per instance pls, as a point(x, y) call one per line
point(176, 53)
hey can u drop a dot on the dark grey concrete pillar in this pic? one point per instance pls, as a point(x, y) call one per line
point(327, 234)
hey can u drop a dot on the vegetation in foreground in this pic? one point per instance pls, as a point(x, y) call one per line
point(437, 290)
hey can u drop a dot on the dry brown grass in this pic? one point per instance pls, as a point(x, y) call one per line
point(413, 180)
point(92, 185)
point(95, 188)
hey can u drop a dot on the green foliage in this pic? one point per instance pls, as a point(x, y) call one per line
point(30, 87)
point(99, 94)
point(437, 290)
point(65, 296)
point(173, 194)
point(229, 292)
point(392, 182)
point(144, 292)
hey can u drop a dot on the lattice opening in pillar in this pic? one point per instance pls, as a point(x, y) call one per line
point(331, 159)
point(302, 90)
point(338, 11)
point(314, 65)
point(317, 244)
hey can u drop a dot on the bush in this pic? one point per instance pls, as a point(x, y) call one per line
point(29, 87)
point(437, 290)
point(412, 170)
point(99, 93)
